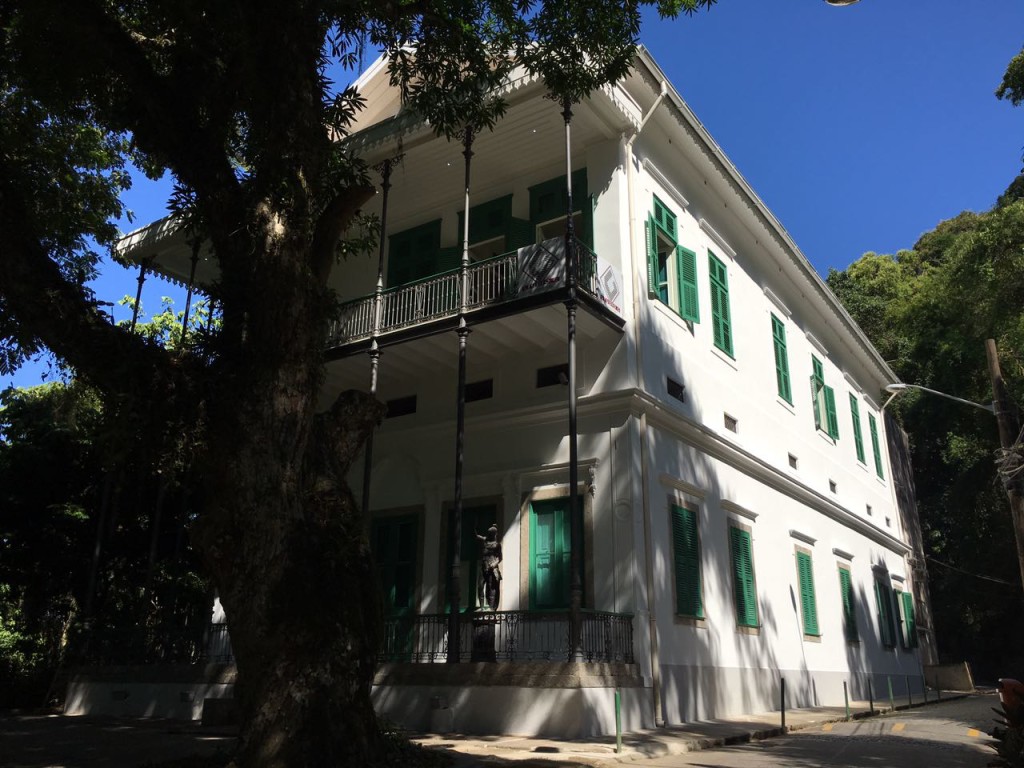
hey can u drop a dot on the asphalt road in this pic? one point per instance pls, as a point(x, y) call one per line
point(950, 734)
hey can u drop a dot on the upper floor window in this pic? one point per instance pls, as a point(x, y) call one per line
point(671, 269)
point(720, 316)
point(782, 383)
point(875, 448)
point(858, 438)
point(548, 208)
point(824, 399)
point(416, 253)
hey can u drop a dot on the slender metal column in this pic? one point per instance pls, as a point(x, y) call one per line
point(378, 301)
point(455, 530)
point(196, 244)
point(575, 513)
point(138, 294)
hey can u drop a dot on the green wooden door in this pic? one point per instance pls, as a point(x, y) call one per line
point(394, 551)
point(475, 521)
point(550, 553)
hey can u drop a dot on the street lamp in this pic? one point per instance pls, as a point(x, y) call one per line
point(895, 389)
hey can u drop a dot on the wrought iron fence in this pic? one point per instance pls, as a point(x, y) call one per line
point(509, 636)
point(491, 281)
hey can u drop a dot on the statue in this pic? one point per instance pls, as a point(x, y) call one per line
point(489, 585)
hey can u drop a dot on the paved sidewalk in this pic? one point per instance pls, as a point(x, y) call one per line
point(641, 745)
point(48, 741)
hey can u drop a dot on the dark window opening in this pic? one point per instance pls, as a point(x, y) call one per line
point(553, 375)
point(401, 406)
point(480, 390)
point(676, 390)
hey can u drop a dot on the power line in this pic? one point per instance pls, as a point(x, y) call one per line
point(931, 559)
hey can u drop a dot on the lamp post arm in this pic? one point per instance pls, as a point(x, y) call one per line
point(897, 388)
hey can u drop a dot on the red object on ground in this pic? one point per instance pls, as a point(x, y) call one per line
point(1011, 694)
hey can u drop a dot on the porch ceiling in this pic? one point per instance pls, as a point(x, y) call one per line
point(530, 136)
point(539, 333)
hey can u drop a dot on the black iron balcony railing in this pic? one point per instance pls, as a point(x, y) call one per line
point(492, 281)
point(509, 636)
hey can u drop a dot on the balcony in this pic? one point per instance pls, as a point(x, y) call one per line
point(516, 636)
point(497, 287)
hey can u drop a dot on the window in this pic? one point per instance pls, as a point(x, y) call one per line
point(858, 439)
point(808, 606)
point(671, 269)
point(416, 254)
point(394, 552)
point(401, 406)
point(550, 552)
point(730, 422)
point(480, 390)
point(676, 390)
point(720, 319)
point(873, 428)
point(686, 557)
point(849, 605)
point(781, 361)
point(832, 487)
point(493, 230)
point(552, 375)
point(475, 521)
point(883, 604)
point(905, 600)
point(547, 208)
point(824, 399)
point(743, 577)
point(794, 462)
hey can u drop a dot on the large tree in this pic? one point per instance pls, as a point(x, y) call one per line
point(929, 311)
point(232, 100)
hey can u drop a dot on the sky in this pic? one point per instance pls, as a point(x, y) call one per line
point(860, 127)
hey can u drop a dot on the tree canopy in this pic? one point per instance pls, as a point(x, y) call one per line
point(929, 311)
point(233, 100)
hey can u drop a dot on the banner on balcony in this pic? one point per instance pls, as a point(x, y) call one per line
point(609, 285)
point(541, 266)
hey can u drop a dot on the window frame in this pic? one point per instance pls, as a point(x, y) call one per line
point(875, 447)
point(745, 583)
point(848, 603)
point(721, 316)
point(858, 435)
point(686, 565)
point(808, 597)
point(783, 382)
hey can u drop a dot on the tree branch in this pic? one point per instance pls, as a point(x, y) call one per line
point(332, 223)
point(39, 297)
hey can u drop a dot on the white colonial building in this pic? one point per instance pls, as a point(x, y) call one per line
point(738, 527)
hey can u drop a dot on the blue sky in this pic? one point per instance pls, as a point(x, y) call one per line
point(860, 127)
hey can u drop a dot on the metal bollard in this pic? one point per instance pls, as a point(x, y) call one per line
point(910, 697)
point(846, 699)
point(618, 721)
point(871, 695)
point(892, 701)
point(782, 681)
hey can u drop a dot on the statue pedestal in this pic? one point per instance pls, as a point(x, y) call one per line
point(483, 640)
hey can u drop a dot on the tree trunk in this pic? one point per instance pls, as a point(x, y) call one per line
point(285, 539)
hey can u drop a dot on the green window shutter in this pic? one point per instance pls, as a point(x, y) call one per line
point(817, 390)
point(449, 259)
point(520, 233)
point(665, 220)
point(808, 606)
point(743, 577)
point(884, 614)
point(858, 438)
point(587, 214)
point(686, 555)
point(656, 278)
point(413, 254)
point(909, 620)
point(873, 428)
point(394, 551)
point(721, 322)
point(781, 361)
point(849, 606)
point(686, 267)
point(830, 413)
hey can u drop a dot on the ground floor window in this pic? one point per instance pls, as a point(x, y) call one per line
point(551, 552)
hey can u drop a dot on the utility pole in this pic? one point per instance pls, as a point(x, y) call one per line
point(1009, 428)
